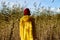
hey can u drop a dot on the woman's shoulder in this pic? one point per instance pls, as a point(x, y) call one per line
point(26, 17)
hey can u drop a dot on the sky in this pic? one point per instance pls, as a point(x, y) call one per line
point(30, 3)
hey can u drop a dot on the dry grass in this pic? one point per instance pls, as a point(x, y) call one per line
point(47, 25)
point(47, 28)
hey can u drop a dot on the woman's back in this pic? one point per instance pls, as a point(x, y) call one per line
point(26, 28)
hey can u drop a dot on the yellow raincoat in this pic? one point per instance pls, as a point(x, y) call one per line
point(26, 28)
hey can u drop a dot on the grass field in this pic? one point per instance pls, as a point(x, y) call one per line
point(47, 24)
point(47, 27)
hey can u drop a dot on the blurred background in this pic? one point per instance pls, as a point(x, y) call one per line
point(45, 12)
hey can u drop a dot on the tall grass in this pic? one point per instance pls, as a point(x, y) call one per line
point(47, 24)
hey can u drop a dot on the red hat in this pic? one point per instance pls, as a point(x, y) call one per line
point(27, 11)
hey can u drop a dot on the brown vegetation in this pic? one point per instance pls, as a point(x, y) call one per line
point(47, 24)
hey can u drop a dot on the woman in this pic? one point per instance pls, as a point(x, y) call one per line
point(26, 23)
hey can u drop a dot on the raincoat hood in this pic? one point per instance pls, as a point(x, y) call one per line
point(26, 18)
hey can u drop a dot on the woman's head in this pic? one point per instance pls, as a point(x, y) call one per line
point(27, 11)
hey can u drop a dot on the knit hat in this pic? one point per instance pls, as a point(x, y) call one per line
point(27, 11)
